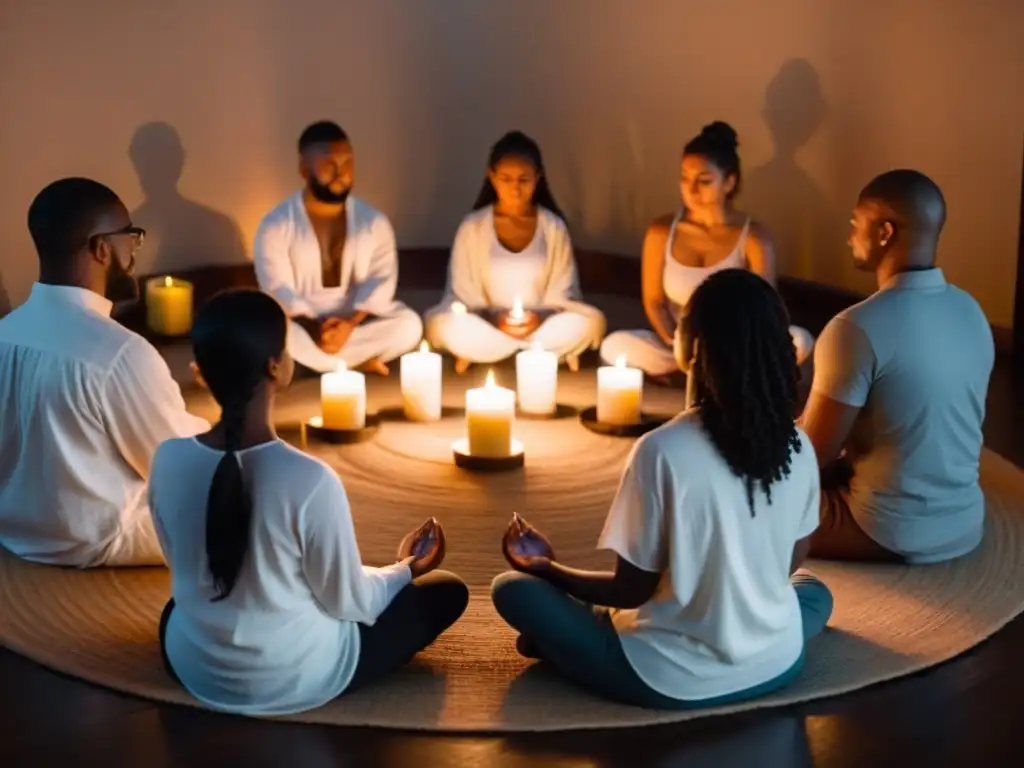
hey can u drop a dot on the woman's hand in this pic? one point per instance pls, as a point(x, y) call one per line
point(424, 548)
point(519, 328)
point(525, 548)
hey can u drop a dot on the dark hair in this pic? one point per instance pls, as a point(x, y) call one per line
point(323, 132)
point(62, 218)
point(518, 144)
point(718, 142)
point(233, 337)
point(746, 375)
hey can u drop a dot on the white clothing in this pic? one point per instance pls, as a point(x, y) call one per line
point(84, 403)
point(916, 357)
point(289, 267)
point(645, 349)
point(286, 639)
point(725, 617)
point(477, 277)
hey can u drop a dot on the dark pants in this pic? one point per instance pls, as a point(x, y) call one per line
point(416, 617)
point(580, 642)
point(838, 536)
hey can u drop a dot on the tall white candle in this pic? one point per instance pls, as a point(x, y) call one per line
point(343, 399)
point(490, 417)
point(537, 380)
point(619, 393)
point(421, 384)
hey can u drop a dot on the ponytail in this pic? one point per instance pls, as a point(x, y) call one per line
point(228, 507)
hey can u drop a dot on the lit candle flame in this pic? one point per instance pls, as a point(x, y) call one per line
point(168, 281)
point(458, 308)
point(620, 361)
point(424, 346)
point(517, 309)
point(490, 383)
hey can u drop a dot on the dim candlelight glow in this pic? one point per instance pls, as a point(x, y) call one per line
point(619, 393)
point(537, 380)
point(490, 416)
point(517, 315)
point(169, 306)
point(343, 399)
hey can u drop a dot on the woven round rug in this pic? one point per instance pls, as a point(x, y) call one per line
point(889, 621)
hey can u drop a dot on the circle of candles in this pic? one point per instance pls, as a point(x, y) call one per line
point(490, 417)
point(421, 384)
point(619, 393)
point(169, 306)
point(537, 380)
point(343, 399)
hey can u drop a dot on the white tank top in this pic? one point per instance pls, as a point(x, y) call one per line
point(517, 275)
point(680, 281)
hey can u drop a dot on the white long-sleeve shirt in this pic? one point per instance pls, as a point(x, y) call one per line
point(84, 403)
point(289, 266)
point(287, 638)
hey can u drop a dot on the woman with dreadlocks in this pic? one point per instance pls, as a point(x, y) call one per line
point(709, 526)
point(272, 610)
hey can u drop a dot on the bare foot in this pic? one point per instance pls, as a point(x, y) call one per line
point(374, 365)
point(461, 366)
point(573, 363)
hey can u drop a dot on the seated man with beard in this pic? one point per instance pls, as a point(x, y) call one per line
point(85, 402)
point(330, 260)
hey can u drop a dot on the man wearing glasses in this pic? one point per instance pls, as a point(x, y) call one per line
point(84, 402)
point(330, 259)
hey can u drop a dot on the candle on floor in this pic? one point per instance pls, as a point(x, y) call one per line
point(537, 380)
point(343, 399)
point(421, 384)
point(619, 391)
point(490, 416)
point(169, 306)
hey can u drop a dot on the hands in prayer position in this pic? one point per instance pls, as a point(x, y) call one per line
point(424, 548)
point(334, 334)
point(519, 328)
point(525, 548)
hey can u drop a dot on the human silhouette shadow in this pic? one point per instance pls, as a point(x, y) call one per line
point(181, 234)
point(808, 233)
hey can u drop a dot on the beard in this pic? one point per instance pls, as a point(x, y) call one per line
point(121, 283)
point(325, 194)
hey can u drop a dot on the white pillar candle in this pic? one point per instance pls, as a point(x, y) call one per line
point(537, 380)
point(490, 416)
point(343, 399)
point(169, 306)
point(619, 392)
point(421, 384)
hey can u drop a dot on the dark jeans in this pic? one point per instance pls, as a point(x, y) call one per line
point(838, 536)
point(414, 619)
point(580, 642)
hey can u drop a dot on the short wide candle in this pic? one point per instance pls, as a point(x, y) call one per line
point(619, 391)
point(421, 384)
point(490, 416)
point(343, 399)
point(169, 306)
point(537, 380)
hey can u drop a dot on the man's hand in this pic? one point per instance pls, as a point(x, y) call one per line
point(334, 334)
point(525, 548)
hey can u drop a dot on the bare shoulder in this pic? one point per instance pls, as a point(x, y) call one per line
point(658, 230)
point(758, 235)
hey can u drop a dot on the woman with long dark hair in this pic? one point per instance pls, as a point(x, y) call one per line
point(272, 611)
point(710, 524)
point(512, 280)
point(681, 250)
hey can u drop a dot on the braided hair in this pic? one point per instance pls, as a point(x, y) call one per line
point(518, 144)
point(234, 337)
point(745, 375)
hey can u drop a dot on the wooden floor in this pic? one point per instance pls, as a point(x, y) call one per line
point(964, 713)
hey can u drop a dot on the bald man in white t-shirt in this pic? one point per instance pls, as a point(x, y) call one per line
point(898, 398)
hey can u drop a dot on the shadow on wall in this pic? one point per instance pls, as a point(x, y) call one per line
point(808, 235)
point(181, 233)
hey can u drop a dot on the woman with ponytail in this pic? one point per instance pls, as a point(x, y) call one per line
point(512, 281)
point(272, 610)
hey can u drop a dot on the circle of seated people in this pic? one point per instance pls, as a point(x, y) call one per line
point(705, 524)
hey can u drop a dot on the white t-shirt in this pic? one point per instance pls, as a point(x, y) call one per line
point(286, 639)
point(725, 617)
point(517, 274)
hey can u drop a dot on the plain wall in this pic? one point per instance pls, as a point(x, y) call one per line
point(824, 94)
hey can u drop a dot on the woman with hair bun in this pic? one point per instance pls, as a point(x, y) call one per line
point(682, 250)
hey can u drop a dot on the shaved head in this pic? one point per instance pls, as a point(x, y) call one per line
point(913, 198)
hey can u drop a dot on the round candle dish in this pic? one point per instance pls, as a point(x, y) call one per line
point(647, 423)
point(397, 413)
point(465, 460)
point(561, 411)
point(314, 429)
